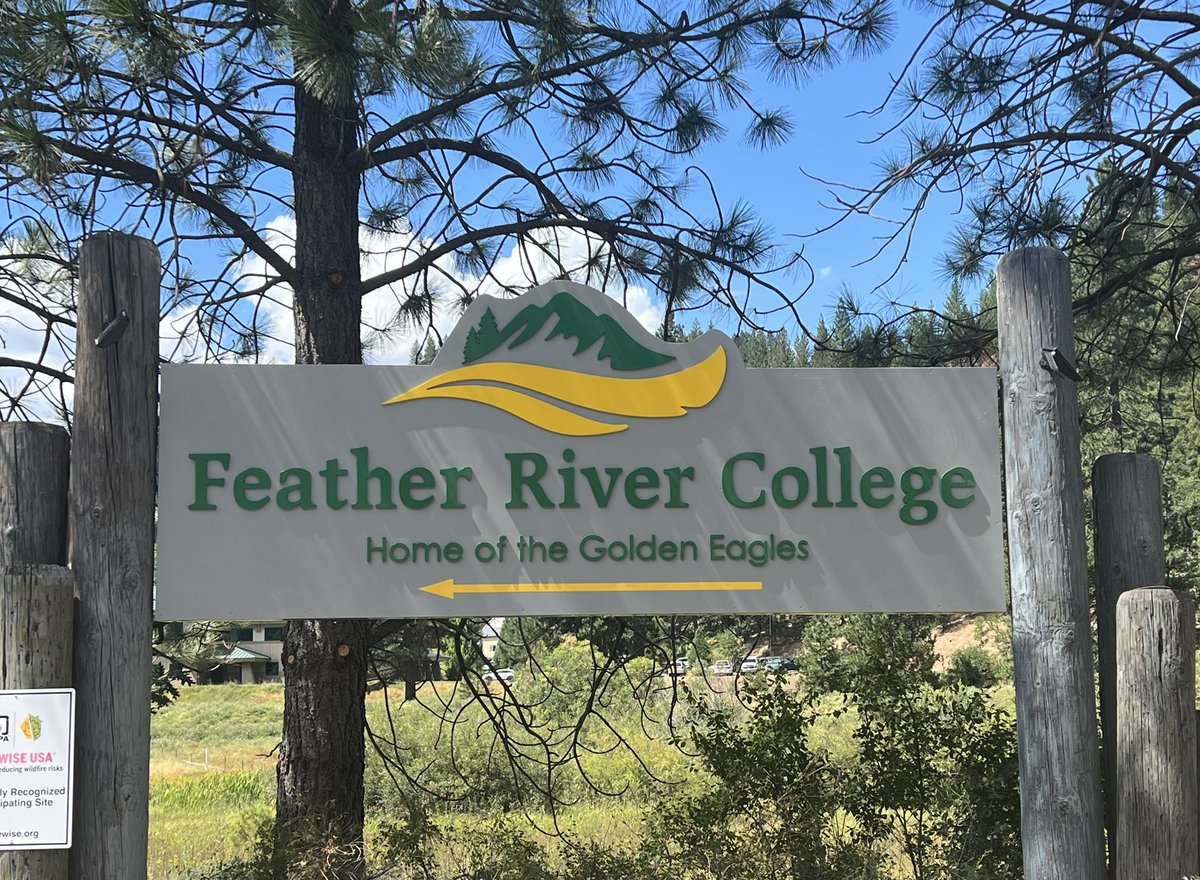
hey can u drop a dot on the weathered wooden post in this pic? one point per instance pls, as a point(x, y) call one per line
point(1061, 815)
point(112, 551)
point(1129, 551)
point(1156, 736)
point(36, 592)
point(33, 494)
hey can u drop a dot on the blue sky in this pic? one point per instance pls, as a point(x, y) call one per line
point(832, 142)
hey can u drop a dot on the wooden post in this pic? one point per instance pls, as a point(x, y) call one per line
point(33, 494)
point(112, 551)
point(37, 603)
point(36, 592)
point(1156, 736)
point(1062, 828)
point(1129, 551)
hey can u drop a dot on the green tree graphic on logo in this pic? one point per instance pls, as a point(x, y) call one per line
point(573, 320)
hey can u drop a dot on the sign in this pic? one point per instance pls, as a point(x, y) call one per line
point(37, 748)
point(558, 459)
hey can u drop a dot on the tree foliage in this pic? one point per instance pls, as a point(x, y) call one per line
point(1010, 107)
point(253, 139)
point(771, 809)
point(929, 791)
point(468, 137)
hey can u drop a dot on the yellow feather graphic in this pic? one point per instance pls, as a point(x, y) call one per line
point(659, 397)
point(537, 412)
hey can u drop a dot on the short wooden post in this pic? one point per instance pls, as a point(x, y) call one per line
point(1127, 530)
point(33, 494)
point(36, 592)
point(1061, 814)
point(36, 607)
point(112, 551)
point(1156, 736)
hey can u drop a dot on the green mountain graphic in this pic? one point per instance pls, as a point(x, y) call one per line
point(575, 321)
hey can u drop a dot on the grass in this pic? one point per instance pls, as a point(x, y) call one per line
point(212, 777)
point(212, 780)
point(185, 839)
point(218, 728)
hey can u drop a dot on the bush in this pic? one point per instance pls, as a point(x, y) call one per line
point(936, 783)
point(771, 808)
point(974, 666)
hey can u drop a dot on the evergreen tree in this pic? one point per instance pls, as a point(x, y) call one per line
point(1012, 104)
point(753, 347)
point(921, 342)
point(842, 340)
point(822, 356)
point(780, 353)
point(450, 130)
point(802, 353)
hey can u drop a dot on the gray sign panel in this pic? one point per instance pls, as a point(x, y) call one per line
point(556, 459)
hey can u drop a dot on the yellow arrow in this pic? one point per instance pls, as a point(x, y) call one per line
point(448, 588)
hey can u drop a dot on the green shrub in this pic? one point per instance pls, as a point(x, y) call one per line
point(770, 807)
point(974, 666)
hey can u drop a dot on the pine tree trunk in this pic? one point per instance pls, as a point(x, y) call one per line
point(319, 798)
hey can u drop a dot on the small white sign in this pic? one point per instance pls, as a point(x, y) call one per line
point(37, 750)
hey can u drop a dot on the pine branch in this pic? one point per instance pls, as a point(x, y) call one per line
point(34, 367)
point(182, 187)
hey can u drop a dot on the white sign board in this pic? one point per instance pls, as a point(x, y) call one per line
point(557, 459)
point(37, 749)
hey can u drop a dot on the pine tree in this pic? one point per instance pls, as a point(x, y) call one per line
point(802, 354)
point(220, 126)
point(780, 352)
point(1013, 104)
point(822, 356)
point(753, 347)
point(843, 336)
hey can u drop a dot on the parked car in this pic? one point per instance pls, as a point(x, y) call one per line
point(679, 667)
point(504, 675)
point(750, 664)
point(722, 667)
point(771, 664)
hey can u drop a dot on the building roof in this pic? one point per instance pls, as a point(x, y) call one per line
point(238, 654)
point(491, 629)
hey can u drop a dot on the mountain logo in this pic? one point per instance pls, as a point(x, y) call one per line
point(562, 401)
point(574, 321)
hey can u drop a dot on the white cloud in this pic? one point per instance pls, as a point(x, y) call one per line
point(25, 335)
point(825, 271)
point(542, 257)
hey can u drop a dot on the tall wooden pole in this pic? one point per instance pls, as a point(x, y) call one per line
point(1156, 736)
point(1127, 530)
point(112, 551)
point(36, 591)
point(1062, 827)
